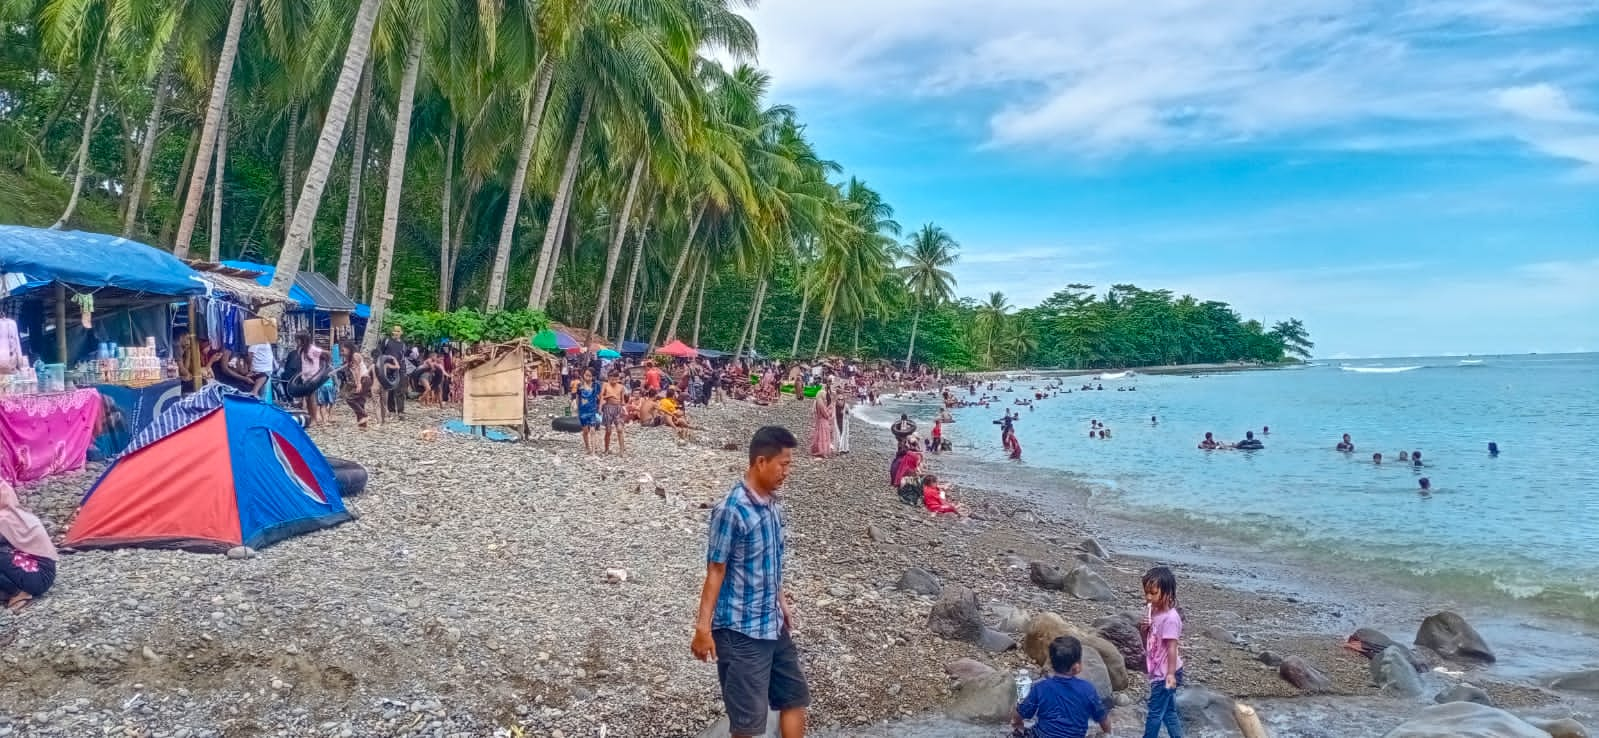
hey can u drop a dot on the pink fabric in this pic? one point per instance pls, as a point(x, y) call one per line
point(1163, 627)
point(41, 435)
point(908, 464)
point(822, 427)
point(23, 531)
point(11, 356)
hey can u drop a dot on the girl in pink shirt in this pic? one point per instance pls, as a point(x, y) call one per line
point(1162, 628)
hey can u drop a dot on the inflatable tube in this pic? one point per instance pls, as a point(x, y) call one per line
point(350, 475)
point(298, 386)
point(566, 424)
point(390, 373)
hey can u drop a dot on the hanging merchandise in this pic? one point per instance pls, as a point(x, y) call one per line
point(85, 309)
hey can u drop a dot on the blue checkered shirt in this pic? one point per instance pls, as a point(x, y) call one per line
point(746, 534)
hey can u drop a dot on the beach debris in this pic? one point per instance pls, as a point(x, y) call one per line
point(920, 581)
point(1301, 674)
point(1392, 673)
point(1086, 584)
point(239, 553)
point(1577, 681)
point(1453, 638)
point(986, 699)
point(964, 670)
point(614, 576)
point(1464, 692)
point(1046, 576)
point(1092, 546)
point(1121, 631)
point(1465, 719)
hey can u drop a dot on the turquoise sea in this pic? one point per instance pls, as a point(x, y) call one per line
point(1522, 526)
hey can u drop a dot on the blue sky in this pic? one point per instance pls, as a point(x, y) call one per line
point(1407, 178)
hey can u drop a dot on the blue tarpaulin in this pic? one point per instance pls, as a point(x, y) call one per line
point(634, 347)
point(310, 291)
point(94, 260)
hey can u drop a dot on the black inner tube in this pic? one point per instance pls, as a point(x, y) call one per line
point(390, 373)
point(298, 386)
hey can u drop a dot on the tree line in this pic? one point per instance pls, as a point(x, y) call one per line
point(592, 160)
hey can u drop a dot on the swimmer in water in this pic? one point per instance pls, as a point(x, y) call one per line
point(1346, 445)
point(1493, 449)
point(1376, 458)
point(1265, 430)
point(1250, 443)
point(1209, 444)
point(1153, 420)
point(1415, 458)
point(1426, 486)
point(1404, 456)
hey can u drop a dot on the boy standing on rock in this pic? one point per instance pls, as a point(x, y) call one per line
point(744, 617)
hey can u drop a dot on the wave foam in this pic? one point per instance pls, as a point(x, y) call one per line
point(1380, 369)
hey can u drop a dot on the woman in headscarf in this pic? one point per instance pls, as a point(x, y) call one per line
point(822, 428)
point(27, 557)
point(908, 463)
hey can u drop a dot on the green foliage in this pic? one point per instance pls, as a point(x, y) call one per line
point(467, 325)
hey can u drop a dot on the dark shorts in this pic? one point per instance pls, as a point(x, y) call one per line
point(611, 415)
point(757, 675)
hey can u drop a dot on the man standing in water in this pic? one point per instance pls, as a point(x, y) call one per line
point(745, 619)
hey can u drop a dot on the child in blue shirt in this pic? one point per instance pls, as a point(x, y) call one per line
point(1063, 704)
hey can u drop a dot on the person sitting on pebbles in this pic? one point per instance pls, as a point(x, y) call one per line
point(933, 497)
point(27, 557)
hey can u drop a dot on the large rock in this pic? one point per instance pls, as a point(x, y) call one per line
point(1562, 728)
point(993, 641)
point(1453, 638)
point(1371, 642)
point(1464, 693)
point(955, 615)
point(965, 670)
point(1045, 627)
point(1046, 575)
point(1092, 547)
point(920, 581)
point(1086, 584)
point(1577, 681)
point(1465, 720)
point(1095, 673)
point(1301, 674)
point(1391, 672)
point(1008, 619)
point(985, 699)
point(1122, 632)
point(1206, 709)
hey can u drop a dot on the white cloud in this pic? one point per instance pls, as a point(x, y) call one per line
point(1103, 76)
point(1542, 102)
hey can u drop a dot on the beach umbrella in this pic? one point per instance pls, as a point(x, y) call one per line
point(547, 340)
point(567, 343)
point(677, 349)
point(606, 353)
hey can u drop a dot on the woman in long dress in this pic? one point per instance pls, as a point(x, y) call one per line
point(841, 415)
point(822, 428)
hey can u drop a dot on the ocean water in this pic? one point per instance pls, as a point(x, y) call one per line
point(1521, 527)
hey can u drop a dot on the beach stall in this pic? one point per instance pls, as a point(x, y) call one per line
point(315, 306)
point(494, 386)
point(81, 312)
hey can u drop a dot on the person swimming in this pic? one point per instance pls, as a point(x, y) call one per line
point(1404, 456)
point(1250, 443)
point(1415, 458)
point(1426, 486)
point(1265, 430)
point(1209, 444)
point(1376, 458)
point(1346, 445)
point(1493, 449)
point(1154, 420)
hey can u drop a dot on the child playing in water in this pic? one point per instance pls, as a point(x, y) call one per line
point(1162, 628)
point(1062, 703)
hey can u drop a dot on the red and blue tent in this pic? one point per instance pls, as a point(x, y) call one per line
point(216, 470)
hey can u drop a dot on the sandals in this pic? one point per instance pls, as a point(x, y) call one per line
point(19, 602)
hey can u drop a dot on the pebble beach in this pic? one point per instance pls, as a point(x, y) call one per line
point(521, 589)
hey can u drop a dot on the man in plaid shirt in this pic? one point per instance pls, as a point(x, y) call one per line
point(744, 617)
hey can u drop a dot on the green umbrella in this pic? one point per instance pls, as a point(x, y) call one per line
point(607, 354)
point(546, 340)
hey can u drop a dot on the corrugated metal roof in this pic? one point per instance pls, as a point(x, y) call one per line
point(324, 294)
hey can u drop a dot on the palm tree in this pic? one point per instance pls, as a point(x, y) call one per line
point(397, 159)
point(926, 259)
point(991, 322)
point(1294, 338)
point(206, 149)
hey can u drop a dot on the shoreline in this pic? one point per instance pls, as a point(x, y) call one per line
point(1222, 368)
point(468, 598)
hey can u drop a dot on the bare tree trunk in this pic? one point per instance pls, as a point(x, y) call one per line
point(603, 303)
point(682, 298)
point(671, 287)
point(744, 330)
point(446, 257)
point(217, 185)
point(513, 201)
point(699, 304)
point(562, 221)
point(352, 201)
point(760, 306)
point(563, 194)
point(914, 323)
point(89, 120)
point(171, 222)
point(290, 163)
point(460, 235)
point(316, 178)
point(805, 301)
point(391, 195)
point(208, 132)
point(827, 318)
point(152, 126)
point(855, 345)
point(632, 275)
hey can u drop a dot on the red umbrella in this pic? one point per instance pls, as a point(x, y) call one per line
point(677, 349)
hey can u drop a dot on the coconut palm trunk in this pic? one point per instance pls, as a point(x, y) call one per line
point(396, 186)
point(563, 194)
point(682, 299)
point(615, 254)
point(755, 317)
point(699, 307)
point(632, 275)
point(805, 301)
point(530, 135)
point(89, 120)
point(316, 178)
point(169, 223)
point(217, 186)
point(916, 321)
point(562, 221)
point(352, 200)
point(827, 319)
point(208, 131)
point(671, 287)
point(147, 148)
point(446, 255)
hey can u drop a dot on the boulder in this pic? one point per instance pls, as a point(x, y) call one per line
point(1087, 559)
point(1045, 627)
point(1562, 728)
point(1091, 546)
point(1095, 673)
point(1465, 720)
point(1046, 576)
point(1122, 632)
point(1217, 633)
point(993, 641)
point(1041, 630)
point(1008, 619)
point(964, 670)
point(1453, 638)
point(1392, 673)
point(955, 615)
point(240, 553)
point(985, 699)
point(1370, 642)
point(1206, 709)
point(1301, 674)
point(1464, 693)
point(1086, 584)
point(1269, 658)
point(1577, 681)
point(920, 581)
